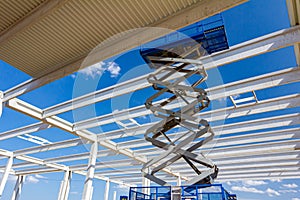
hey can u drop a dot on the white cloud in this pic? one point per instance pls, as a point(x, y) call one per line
point(293, 185)
point(272, 192)
point(93, 70)
point(99, 68)
point(229, 183)
point(35, 178)
point(276, 180)
point(254, 183)
point(114, 69)
point(75, 193)
point(31, 179)
point(288, 191)
point(295, 198)
point(40, 176)
point(246, 189)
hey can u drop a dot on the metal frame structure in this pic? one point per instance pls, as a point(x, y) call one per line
point(275, 152)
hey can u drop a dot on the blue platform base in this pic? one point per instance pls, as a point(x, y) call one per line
point(195, 192)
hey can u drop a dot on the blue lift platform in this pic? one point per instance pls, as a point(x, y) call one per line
point(195, 192)
point(210, 33)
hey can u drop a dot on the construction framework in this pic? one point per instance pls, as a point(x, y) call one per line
point(274, 152)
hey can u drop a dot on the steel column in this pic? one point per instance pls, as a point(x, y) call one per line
point(106, 193)
point(88, 184)
point(115, 195)
point(18, 188)
point(146, 184)
point(65, 186)
point(179, 180)
point(6, 174)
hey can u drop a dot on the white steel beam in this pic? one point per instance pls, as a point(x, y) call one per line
point(232, 153)
point(230, 140)
point(264, 174)
point(65, 186)
point(287, 101)
point(230, 171)
point(24, 130)
point(49, 147)
point(267, 105)
point(257, 177)
point(237, 178)
point(6, 173)
point(244, 139)
point(268, 158)
point(106, 193)
point(264, 81)
point(250, 125)
point(88, 184)
point(280, 159)
point(18, 188)
point(35, 112)
point(82, 167)
point(243, 150)
point(240, 159)
point(110, 164)
point(67, 158)
point(221, 176)
point(234, 168)
point(223, 170)
point(258, 124)
point(51, 167)
point(254, 149)
point(240, 139)
point(40, 170)
point(32, 111)
point(127, 87)
point(189, 15)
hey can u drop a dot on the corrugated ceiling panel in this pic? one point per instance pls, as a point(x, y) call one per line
point(76, 27)
point(13, 10)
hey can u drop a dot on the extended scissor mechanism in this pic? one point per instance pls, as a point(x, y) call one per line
point(172, 78)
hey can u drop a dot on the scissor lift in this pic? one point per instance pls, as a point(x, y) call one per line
point(176, 65)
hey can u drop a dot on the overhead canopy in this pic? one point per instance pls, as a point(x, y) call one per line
point(39, 37)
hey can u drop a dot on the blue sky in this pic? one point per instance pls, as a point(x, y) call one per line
point(242, 23)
